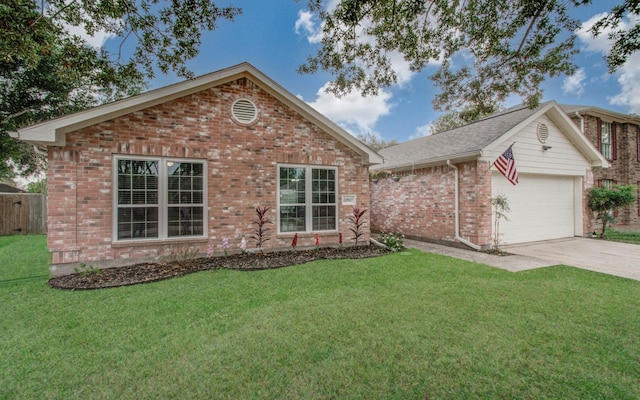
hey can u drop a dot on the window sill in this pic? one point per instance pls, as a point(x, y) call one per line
point(285, 235)
point(156, 242)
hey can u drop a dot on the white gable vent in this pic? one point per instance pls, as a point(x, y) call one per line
point(543, 133)
point(244, 111)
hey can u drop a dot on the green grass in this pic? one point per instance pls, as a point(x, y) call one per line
point(396, 327)
point(618, 236)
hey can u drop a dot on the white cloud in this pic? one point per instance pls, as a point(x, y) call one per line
point(422, 131)
point(353, 112)
point(307, 25)
point(629, 73)
point(600, 44)
point(574, 84)
point(96, 40)
point(629, 80)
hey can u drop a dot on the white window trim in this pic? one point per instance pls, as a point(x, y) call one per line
point(163, 208)
point(308, 205)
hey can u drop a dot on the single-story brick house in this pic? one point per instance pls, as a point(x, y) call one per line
point(443, 184)
point(185, 166)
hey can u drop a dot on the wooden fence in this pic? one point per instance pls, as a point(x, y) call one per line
point(23, 214)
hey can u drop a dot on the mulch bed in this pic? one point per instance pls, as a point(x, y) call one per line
point(152, 272)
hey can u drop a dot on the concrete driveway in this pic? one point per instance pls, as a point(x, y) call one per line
point(614, 258)
point(620, 259)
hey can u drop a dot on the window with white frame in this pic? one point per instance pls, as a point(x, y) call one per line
point(307, 198)
point(605, 140)
point(159, 198)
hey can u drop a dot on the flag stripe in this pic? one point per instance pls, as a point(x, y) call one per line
point(506, 164)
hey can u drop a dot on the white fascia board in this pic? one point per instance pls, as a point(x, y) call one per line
point(576, 137)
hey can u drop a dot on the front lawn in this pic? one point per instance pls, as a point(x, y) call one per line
point(405, 326)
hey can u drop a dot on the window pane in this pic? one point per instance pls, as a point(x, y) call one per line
point(605, 140)
point(185, 221)
point(323, 187)
point(137, 222)
point(292, 219)
point(292, 185)
point(324, 218)
point(185, 188)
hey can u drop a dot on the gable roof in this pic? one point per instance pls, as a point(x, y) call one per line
point(577, 110)
point(468, 142)
point(53, 132)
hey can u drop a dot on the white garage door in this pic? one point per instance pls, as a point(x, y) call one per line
point(542, 207)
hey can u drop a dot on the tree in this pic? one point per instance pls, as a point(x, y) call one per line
point(603, 201)
point(46, 71)
point(454, 118)
point(375, 142)
point(501, 207)
point(624, 42)
point(513, 45)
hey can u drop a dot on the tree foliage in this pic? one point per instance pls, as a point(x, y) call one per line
point(508, 47)
point(625, 42)
point(375, 142)
point(604, 200)
point(47, 71)
point(456, 118)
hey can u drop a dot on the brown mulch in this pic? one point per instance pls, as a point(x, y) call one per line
point(152, 272)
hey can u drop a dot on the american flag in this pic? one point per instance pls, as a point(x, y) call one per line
point(507, 166)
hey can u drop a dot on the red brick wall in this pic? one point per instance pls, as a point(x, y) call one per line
point(625, 168)
point(423, 205)
point(242, 168)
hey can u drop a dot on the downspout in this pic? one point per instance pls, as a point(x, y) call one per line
point(457, 209)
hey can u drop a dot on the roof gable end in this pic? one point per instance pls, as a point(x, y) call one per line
point(53, 132)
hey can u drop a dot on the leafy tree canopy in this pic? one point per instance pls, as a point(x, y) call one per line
point(375, 142)
point(47, 71)
point(511, 46)
point(466, 115)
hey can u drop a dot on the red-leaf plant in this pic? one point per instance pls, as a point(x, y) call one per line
point(260, 231)
point(358, 223)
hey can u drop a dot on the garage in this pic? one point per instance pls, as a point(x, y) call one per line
point(542, 207)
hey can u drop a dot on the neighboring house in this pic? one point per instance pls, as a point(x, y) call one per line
point(447, 180)
point(186, 165)
point(617, 137)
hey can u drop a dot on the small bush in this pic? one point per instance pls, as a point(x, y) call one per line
point(392, 240)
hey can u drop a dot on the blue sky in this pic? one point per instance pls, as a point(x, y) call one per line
point(276, 36)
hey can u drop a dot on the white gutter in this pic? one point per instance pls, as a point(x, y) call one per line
point(457, 210)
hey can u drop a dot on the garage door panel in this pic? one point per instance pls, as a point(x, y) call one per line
point(542, 207)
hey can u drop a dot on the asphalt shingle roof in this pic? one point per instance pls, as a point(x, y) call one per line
point(464, 140)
